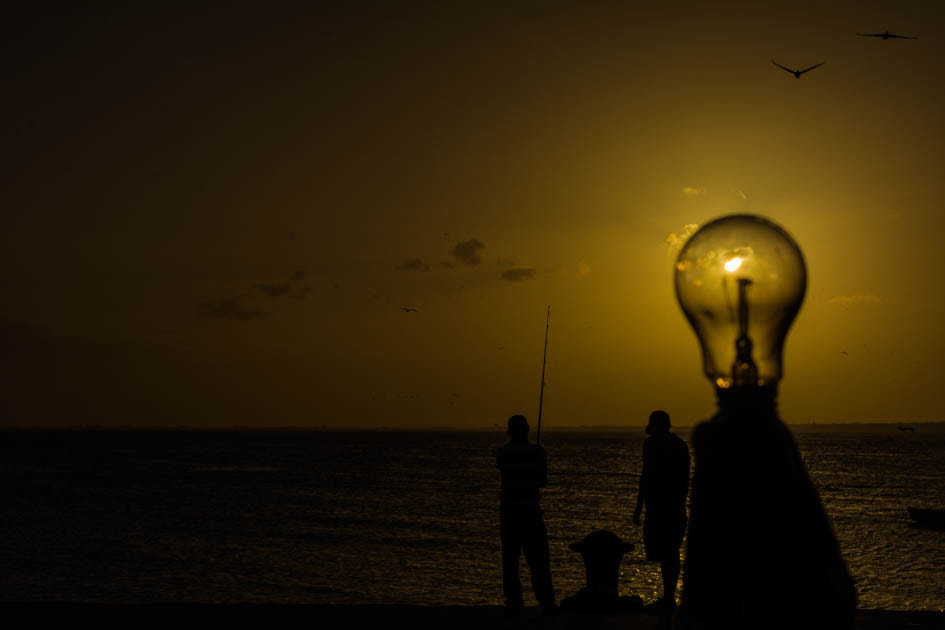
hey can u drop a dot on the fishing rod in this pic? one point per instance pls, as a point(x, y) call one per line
point(541, 395)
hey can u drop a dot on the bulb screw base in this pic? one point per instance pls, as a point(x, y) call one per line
point(747, 404)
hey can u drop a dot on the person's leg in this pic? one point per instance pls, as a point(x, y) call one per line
point(535, 546)
point(511, 548)
point(660, 548)
point(670, 570)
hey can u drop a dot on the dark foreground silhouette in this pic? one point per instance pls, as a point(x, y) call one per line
point(524, 471)
point(664, 486)
point(760, 544)
point(602, 552)
point(384, 617)
point(927, 518)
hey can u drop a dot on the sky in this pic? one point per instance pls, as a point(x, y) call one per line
point(215, 217)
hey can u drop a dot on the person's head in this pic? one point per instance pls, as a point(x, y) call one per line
point(518, 427)
point(659, 422)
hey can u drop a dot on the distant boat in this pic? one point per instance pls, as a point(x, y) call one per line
point(934, 519)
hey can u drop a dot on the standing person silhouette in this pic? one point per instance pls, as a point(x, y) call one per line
point(524, 470)
point(664, 485)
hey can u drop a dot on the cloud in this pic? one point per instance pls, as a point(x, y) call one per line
point(675, 241)
point(467, 252)
point(293, 288)
point(447, 264)
point(862, 298)
point(518, 275)
point(583, 269)
point(414, 264)
point(229, 308)
point(692, 191)
point(273, 290)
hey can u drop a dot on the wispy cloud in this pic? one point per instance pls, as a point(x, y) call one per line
point(274, 290)
point(414, 264)
point(675, 241)
point(692, 191)
point(518, 275)
point(861, 298)
point(294, 288)
point(229, 308)
point(467, 252)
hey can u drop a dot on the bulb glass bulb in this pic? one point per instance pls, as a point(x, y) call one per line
point(740, 280)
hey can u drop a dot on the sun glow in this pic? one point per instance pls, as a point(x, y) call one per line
point(733, 264)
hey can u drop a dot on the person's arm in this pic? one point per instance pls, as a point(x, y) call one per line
point(641, 490)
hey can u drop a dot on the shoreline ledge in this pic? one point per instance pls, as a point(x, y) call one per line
point(413, 617)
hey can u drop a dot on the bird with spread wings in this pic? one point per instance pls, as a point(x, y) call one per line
point(797, 73)
point(886, 35)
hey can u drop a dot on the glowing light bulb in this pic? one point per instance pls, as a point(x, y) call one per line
point(740, 280)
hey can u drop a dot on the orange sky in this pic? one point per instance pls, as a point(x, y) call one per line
point(214, 219)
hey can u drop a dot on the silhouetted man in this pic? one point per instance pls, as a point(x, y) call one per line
point(524, 470)
point(664, 484)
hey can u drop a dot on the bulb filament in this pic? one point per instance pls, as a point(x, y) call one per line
point(744, 370)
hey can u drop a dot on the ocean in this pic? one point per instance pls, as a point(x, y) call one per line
point(394, 517)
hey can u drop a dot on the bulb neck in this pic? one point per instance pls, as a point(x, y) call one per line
point(747, 404)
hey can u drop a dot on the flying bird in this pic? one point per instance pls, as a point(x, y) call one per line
point(886, 35)
point(407, 309)
point(797, 73)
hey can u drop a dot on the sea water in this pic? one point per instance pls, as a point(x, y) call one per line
point(382, 517)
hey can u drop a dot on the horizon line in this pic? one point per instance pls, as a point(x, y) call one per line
point(477, 428)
